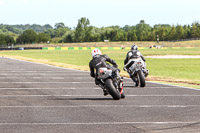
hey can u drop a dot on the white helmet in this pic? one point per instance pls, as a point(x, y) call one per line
point(96, 51)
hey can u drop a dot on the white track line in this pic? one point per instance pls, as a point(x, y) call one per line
point(98, 96)
point(174, 86)
point(89, 88)
point(64, 82)
point(45, 74)
point(34, 71)
point(99, 123)
point(43, 77)
point(47, 65)
point(107, 106)
point(73, 88)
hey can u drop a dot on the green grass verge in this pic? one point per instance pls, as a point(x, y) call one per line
point(173, 70)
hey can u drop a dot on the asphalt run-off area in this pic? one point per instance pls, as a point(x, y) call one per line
point(39, 98)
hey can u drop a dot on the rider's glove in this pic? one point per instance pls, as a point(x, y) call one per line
point(116, 66)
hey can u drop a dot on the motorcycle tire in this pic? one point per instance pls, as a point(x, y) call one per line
point(112, 90)
point(141, 79)
point(123, 95)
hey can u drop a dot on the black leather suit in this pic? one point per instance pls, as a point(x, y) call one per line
point(133, 54)
point(100, 61)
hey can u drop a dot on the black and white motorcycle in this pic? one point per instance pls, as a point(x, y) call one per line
point(136, 68)
point(111, 82)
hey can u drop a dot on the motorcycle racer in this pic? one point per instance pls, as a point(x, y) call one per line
point(99, 61)
point(135, 53)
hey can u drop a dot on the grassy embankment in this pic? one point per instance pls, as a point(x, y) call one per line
point(185, 71)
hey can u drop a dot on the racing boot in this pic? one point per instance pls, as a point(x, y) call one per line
point(105, 92)
point(100, 84)
point(146, 72)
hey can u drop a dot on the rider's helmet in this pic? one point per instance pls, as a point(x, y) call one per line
point(134, 47)
point(96, 51)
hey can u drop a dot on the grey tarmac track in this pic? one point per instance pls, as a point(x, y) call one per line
point(38, 98)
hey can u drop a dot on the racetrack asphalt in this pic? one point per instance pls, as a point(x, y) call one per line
point(39, 98)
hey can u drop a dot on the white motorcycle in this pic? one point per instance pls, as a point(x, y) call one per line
point(136, 68)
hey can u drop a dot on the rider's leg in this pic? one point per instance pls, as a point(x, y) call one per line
point(99, 83)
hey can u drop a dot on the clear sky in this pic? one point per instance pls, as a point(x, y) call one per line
point(101, 13)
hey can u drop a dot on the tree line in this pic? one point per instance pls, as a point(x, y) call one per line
point(84, 32)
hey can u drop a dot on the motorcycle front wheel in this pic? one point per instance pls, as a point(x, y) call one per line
point(141, 78)
point(112, 90)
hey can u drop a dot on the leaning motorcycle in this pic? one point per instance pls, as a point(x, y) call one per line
point(136, 68)
point(111, 82)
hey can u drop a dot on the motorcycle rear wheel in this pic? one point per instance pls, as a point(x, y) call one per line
point(112, 90)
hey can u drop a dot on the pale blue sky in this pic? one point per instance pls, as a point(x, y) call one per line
point(101, 13)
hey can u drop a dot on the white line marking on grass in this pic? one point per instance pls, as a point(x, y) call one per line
point(99, 123)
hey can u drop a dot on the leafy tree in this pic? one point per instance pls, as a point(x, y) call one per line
point(194, 30)
point(69, 37)
point(42, 38)
point(27, 37)
point(179, 32)
point(172, 34)
point(5, 40)
point(2, 40)
point(59, 25)
point(82, 30)
point(142, 30)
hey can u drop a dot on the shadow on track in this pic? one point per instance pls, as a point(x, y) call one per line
point(85, 98)
point(130, 86)
point(97, 99)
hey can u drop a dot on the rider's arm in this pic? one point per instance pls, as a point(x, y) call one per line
point(91, 70)
point(127, 57)
point(108, 59)
point(142, 57)
point(126, 60)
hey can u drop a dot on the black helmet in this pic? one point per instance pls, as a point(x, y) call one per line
point(134, 47)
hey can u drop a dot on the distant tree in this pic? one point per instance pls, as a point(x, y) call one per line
point(59, 25)
point(2, 40)
point(50, 32)
point(187, 30)
point(172, 34)
point(179, 32)
point(6, 40)
point(82, 30)
point(194, 30)
point(47, 26)
point(142, 30)
point(69, 37)
point(43, 38)
point(27, 37)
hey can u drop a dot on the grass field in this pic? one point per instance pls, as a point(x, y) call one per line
point(171, 70)
point(193, 43)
